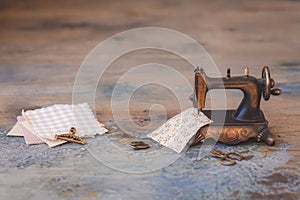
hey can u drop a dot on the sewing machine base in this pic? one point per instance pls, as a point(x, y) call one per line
point(233, 131)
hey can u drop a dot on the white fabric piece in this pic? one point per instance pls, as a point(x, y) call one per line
point(178, 131)
point(16, 131)
point(58, 119)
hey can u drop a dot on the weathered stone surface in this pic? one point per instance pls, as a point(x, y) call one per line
point(44, 42)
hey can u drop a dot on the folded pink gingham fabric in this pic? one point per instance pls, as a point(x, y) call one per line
point(58, 119)
point(29, 136)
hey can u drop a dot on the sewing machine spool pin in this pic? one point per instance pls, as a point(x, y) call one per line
point(248, 119)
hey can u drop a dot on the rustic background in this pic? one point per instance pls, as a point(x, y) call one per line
point(43, 43)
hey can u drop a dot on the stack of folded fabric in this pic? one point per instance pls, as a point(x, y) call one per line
point(41, 125)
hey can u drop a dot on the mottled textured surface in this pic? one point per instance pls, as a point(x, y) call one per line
point(70, 172)
point(44, 42)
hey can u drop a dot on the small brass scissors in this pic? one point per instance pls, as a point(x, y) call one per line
point(71, 137)
point(227, 159)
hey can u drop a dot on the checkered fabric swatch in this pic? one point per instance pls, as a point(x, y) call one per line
point(28, 133)
point(178, 131)
point(58, 119)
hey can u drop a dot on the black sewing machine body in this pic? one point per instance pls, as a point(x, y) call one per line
point(248, 120)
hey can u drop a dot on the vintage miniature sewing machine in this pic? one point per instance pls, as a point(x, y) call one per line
point(247, 121)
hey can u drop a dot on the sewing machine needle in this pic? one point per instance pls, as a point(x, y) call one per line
point(199, 110)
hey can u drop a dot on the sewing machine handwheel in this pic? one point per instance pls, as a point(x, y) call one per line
point(268, 83)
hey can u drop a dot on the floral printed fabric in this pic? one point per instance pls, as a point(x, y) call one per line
point(178, 131)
